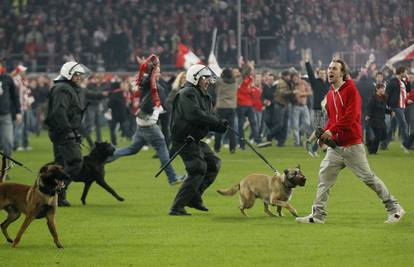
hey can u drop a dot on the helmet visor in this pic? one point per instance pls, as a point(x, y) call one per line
point(207, 74)
point(82, 71)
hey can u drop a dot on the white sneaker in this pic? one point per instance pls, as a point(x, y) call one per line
point(395, 217)
point(264, 144)
point(309, 219)
point(406, 151)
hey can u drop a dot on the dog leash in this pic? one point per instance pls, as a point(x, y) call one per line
point(15, 162)
point(255, 151)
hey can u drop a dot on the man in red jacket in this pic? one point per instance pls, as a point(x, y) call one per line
point(344, 128)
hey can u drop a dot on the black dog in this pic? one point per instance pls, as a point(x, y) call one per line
point(93, 169)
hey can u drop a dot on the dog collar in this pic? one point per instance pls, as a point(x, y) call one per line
point(44, 189)
point(289, 184)
point(47, 191)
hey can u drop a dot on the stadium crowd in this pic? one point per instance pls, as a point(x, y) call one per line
point(275, 104)
point(107, 35)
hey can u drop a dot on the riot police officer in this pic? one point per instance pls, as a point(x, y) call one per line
point(64, 119)
point(192, 119)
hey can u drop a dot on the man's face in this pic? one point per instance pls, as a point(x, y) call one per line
point(404, 75)
point(379, 78)
point(381, 90)
point(258, 80)
point(322, 75)
point(77, 78)
point(335, 73)
point(203, 82)
point(295, 78)
point(265, 78)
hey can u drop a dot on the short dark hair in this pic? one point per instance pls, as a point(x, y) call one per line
point(265, 72)
point(379, 73)
point(400, 69)
point(285, 73)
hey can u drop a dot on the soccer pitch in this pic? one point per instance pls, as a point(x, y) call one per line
point(138, 232)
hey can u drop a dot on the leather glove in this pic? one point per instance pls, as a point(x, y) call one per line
point(189, 139)
point(225, 123)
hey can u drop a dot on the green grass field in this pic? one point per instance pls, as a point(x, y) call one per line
point(138, 232)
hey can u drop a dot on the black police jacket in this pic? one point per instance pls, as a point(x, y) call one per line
point(65, 111)
point(192, 114)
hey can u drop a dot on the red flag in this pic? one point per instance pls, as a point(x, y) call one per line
point(185, 57)
point(406, 54)
point(147, 84)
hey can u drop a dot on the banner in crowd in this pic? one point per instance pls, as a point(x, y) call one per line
point(185, 57)
point(406, 54)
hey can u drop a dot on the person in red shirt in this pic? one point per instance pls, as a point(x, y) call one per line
point(344, 128)
point(245, 105)
point(256, 92)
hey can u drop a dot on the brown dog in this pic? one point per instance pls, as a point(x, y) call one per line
point(37, 201)
point(274, 190)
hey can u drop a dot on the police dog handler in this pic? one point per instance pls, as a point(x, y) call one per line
point(192, 119)
point(64, 119)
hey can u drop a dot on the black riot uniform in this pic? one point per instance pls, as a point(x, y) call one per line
point(192, 115)
point(64, 119)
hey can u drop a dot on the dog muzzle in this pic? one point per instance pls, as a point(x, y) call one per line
point(60, 184)
point(302, 181)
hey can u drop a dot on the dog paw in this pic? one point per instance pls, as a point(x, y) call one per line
point(121, 199)
point(58, 245)
point(9, 240)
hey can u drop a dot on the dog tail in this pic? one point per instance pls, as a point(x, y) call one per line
point(229, 191)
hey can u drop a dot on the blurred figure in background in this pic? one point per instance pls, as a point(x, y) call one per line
point(245, 105)
point(375, 118)
point(226, 89)
point(21, 130)
point(9, 111)
point(396, 92)
point(278, 124)
point(320, 87)
point(257, 92)
point(301, 124)
point(118, 109)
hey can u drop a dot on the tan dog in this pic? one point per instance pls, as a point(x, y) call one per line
point(274, 190)
point(37, 201)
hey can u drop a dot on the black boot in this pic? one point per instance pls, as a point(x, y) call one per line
point(62, 201)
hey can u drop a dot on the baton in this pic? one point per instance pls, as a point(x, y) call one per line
point(255, 151)
point(16, 162)
point(189, 139)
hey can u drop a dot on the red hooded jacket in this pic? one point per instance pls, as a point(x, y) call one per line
point(344, 114)
point(244, 93)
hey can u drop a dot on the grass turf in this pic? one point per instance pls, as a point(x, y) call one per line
point(138, 232)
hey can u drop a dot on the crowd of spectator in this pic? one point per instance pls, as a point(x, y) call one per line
point(107, 34)
point(276, 104)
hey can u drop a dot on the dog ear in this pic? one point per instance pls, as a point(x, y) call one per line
point(286, 171)
point(298, 166)
point(44, 169)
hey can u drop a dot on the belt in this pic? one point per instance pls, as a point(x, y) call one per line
point(147, 126)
